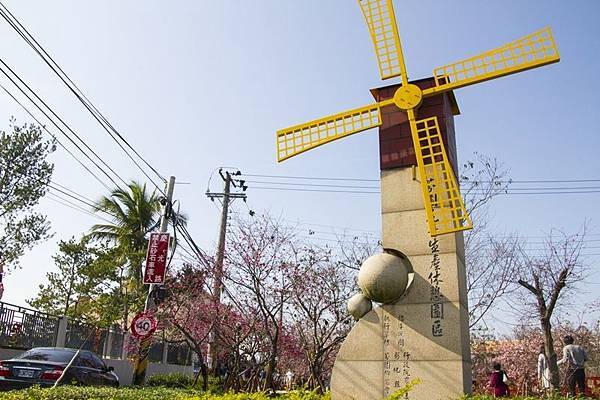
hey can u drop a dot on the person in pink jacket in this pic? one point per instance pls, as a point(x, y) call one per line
point(497, 383)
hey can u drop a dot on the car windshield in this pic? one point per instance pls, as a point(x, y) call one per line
point(54, 355)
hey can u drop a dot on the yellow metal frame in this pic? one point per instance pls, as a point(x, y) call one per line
point(445, 208)
point(446, 212)
point(531, 51)
point(300, 138)
point(381, 21)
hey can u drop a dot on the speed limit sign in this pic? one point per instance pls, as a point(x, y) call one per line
point(143, 325)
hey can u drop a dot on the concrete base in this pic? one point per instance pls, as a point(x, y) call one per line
point(423, 335)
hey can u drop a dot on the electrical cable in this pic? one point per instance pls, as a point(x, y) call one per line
point(311, 178)
point(100, 118)
point(64, 123)
point(313, 190)
point(55, 138)
point(91, 205)
point(57, 199)
point(190, 241)
point(377, 192)
point(378, 180)
point(314, 184)
point(72, 191)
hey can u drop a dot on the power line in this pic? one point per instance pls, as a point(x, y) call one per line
point(543, 193)
point(100, 118)
point(55, 138)
point(538, 181)
point(540, 188)
point(378, 192)
point(579, 189)
point(377, 180)
point(65, 191)
point(74, 192)
point(313, 184)
point(91, 205)
point(314, 190)
point(56, 125)
point(190, 241)
point(311, 178)
point(358, 240)
point(65, 202)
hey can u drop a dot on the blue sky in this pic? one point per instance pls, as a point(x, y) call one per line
point(195, 85)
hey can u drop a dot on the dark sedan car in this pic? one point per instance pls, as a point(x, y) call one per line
point(43, 366)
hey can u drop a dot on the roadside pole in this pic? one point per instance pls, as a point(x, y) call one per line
point(141, 362)
point(213, 340)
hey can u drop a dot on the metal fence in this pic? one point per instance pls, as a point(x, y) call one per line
point(155, 354)
point(85, 336)
point(115, 349)
point(180, 354)
point(24, 328)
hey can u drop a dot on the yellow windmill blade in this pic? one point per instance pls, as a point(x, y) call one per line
point(381, 21)
point(444, 205)
point(300, 138)
point(531, 51)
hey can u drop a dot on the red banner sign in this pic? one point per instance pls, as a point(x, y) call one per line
point(156, 258)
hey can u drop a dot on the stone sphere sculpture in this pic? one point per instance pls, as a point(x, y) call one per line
point(359, 306)
point(384, 277)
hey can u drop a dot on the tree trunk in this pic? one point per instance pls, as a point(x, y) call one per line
point(314, 380)
point(551, 354)
point(271, 370)
point(69, 293)
point(125, 310)
point(204, 372)
point(203, 369)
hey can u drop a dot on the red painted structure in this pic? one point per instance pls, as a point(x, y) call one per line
point(395, 141)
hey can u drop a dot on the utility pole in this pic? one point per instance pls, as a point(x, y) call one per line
point(218, 282)
point(141, 362)
point(227, 197)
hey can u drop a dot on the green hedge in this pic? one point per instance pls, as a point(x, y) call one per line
point(160, 393)
point(176, 380)
point(181, 381)
point(488, 397)
point(148, 393)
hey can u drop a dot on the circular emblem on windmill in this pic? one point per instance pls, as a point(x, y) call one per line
point(407, 97)
point(143, 325)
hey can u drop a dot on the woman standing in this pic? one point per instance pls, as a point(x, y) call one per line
point(498, 380)
point(543, 371)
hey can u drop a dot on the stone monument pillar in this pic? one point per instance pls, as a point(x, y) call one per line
point(425, 334)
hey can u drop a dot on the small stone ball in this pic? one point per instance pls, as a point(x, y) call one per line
point(383, 277)
point(359, 306)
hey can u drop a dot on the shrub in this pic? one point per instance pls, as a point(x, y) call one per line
point(175, 380)
point(401, 393)
point(85, 393)
point(488, 397)
point(147, 393)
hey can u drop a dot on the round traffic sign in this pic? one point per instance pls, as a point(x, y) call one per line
point(143, 325)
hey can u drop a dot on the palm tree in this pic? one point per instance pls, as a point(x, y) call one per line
point(134, 212)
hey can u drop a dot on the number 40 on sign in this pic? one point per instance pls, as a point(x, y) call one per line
point(143, 325)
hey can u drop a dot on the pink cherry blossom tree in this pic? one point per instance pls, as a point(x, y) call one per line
point(321, 287)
